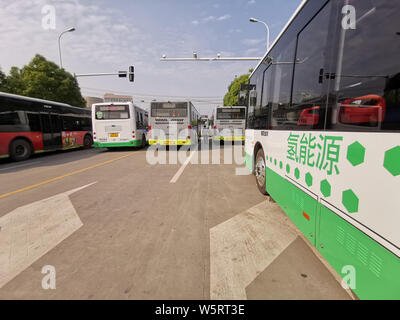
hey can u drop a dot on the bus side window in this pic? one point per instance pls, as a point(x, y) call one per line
point(283, 116)
point(307, 111)
point(137, 120)
point(34, 122)
point(367, 87)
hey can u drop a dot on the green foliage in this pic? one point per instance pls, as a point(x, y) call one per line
point(43, 79)
point(232, 97)
point(3, 79)
point(14, 83)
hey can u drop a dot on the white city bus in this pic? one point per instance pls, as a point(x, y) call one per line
point(323, 135)
point(229, 123)
point(119, 125)
point(173, 123)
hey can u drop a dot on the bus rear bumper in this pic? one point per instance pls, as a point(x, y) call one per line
point(171, 142)
point(218, 138)
point(133, 143)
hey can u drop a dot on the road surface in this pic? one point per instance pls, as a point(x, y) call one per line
point(114, 226)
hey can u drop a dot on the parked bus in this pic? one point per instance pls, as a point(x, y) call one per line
point(29, 126)
point(229, 123)
point(174, 123)
point(117, 125)
point(323, 135)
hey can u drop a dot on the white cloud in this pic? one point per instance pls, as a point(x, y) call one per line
point(208, 19)
point(195, 22)
point(224, 17)
point(107, 40)
point(251, 2)
point(213, 18)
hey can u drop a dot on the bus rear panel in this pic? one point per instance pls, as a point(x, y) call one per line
point(118, 125)
point(173, 123)
point(230, 124)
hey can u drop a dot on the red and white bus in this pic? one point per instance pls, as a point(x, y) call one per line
point(29, 126)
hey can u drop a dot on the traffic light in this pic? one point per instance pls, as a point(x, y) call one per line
point(122, 74)
point(131, 73)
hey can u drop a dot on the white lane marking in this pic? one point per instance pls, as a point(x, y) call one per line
point(180, 171)
point(21, 165)
point(31, 231)
point(244, 246)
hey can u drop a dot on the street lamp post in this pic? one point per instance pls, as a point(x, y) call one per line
point(72, 29)
point(266, 26)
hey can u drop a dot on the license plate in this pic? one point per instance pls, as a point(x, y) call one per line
point(114, 135)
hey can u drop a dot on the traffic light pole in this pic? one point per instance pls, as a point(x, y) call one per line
point(121, 74)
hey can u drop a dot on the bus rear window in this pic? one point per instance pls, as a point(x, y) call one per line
point(225, 114)
point(112, 112)
point(169, 110)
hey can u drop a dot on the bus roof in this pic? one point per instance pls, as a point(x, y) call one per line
point(119, 103)
point(184, 101)
point(280, 35)
point(15, 96)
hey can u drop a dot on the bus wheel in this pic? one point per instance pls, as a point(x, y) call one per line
point(87, 142)
point(144, 141)
point(20, 150)
point(260, 171)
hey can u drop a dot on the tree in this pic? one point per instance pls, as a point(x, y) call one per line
point(43, 79)
point(232, 97)
point(3, 79)
point(14, 83)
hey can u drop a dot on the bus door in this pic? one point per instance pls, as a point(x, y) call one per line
point(51, 131)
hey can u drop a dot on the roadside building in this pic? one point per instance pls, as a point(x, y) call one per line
point(110, 97)
point(92, 100)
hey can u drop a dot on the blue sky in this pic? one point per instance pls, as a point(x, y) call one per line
point(111, 35)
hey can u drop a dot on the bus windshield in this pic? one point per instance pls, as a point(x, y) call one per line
point(112, 112)
point(169, 110)
point(229, 113)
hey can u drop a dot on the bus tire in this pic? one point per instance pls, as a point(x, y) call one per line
point(20, 150)
point(260, 172)
point(144, 143)
point(87, 142)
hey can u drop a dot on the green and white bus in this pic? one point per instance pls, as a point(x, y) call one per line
point(323, 135)
point(174, 124)
point(118, 125)
point(229, 123)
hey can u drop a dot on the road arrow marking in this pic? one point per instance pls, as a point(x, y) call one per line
point(244, 246)
point(31, 231)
